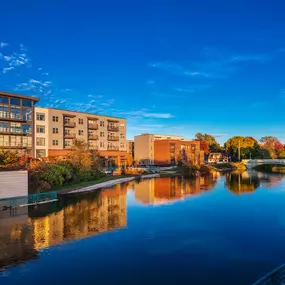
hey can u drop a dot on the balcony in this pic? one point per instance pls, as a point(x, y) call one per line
point(93, 147)
point(93, 137)
point(69, 124)
point(69, 135)
point(114, 148)
point(14, 132)
point(93, 126)
point(113, 139)
point(112, 128)
point(11, 117)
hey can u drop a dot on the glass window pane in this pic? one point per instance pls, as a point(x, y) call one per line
point(27, 103)
point(3, 100)
point(14, 101)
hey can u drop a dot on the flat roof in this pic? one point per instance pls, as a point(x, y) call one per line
point(35, 99)
point(86, 113)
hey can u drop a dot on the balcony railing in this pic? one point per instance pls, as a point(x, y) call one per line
point(112, 138)
point(93, 147)
point(112, 147)
point(93, 126)
point(14, 132)
point(69, 124)
point(12, 117)
point(112, 128)
point(69, 135)
point(93, 137)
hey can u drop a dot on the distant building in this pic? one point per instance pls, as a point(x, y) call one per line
point(151, 149)
point(131, 148)
point(17, 122)
point(144, 147)
point(57, 129)
point(216, 157)
point(170, 152)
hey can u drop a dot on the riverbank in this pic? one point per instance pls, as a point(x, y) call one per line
point(105, 184)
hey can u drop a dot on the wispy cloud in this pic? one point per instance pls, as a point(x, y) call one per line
point(14, 60)
point(146, 114)
point(213, 64)
point(2, 44)
point(192, 88)
point(7, 69)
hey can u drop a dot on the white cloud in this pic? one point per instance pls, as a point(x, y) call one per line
point(45, 73)
point(6, 69)
point(146, 114)
point(7, 58)
point(2, 45)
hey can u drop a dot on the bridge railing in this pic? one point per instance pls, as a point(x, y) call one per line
point(275, 277)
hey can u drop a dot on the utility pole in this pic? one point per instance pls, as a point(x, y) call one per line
point(239, 150)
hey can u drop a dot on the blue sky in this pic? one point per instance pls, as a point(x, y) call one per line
point(177, 67)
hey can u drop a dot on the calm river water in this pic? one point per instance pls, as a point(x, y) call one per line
point(220, 230)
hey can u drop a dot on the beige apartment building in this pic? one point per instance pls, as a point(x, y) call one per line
point(144, 147)
point(56, 130)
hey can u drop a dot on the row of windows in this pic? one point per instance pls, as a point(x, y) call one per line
point(42, 142)
point(15, 101)
point(16, 113)
point(15, 141)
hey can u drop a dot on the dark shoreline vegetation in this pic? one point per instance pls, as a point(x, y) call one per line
point(270, 168)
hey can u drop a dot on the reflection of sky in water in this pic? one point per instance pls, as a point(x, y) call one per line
point(205, 237)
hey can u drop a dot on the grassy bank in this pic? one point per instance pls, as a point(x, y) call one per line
point(82, 184)
point(270, 168)
point(228, 166)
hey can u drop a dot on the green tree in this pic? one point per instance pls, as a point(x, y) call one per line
point(249, 147)
point(210, 140)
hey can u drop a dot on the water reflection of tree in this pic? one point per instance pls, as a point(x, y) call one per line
point(239, 183)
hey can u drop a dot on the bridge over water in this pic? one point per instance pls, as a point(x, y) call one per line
point(250, 163)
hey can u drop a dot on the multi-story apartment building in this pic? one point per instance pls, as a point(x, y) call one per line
point(144, 146)
point(17, 122)
point(56, 130)
point(153, 149)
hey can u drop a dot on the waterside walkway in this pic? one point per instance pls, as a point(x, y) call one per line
point(106, 184)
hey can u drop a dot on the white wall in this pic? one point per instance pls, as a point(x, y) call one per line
point(13, 184)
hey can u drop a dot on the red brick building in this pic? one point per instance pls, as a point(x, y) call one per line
point(170, 152)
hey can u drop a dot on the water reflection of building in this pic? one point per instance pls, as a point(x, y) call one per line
point(86, 216)
point(163, 190)
point(16, 241)
point(21, 236)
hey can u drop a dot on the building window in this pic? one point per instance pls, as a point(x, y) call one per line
point(3, 100)
point(102, 124)
point(122, 136)
point(193, 147)
point(80, 121)
point(122, 145)
point(41, 141)
point(55, 118)
point(55, 130)
point(80, 132)
point(102, 144)
point(40, 117)
point(41, 129)
point(41, 153)
point(54, 142)
point(102, 134)
point(14, 101)
point(26, 103)
point(66, 143)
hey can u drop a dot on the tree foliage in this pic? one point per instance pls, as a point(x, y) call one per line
point(208, 142)
point(249, 147)
point(273, 146)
